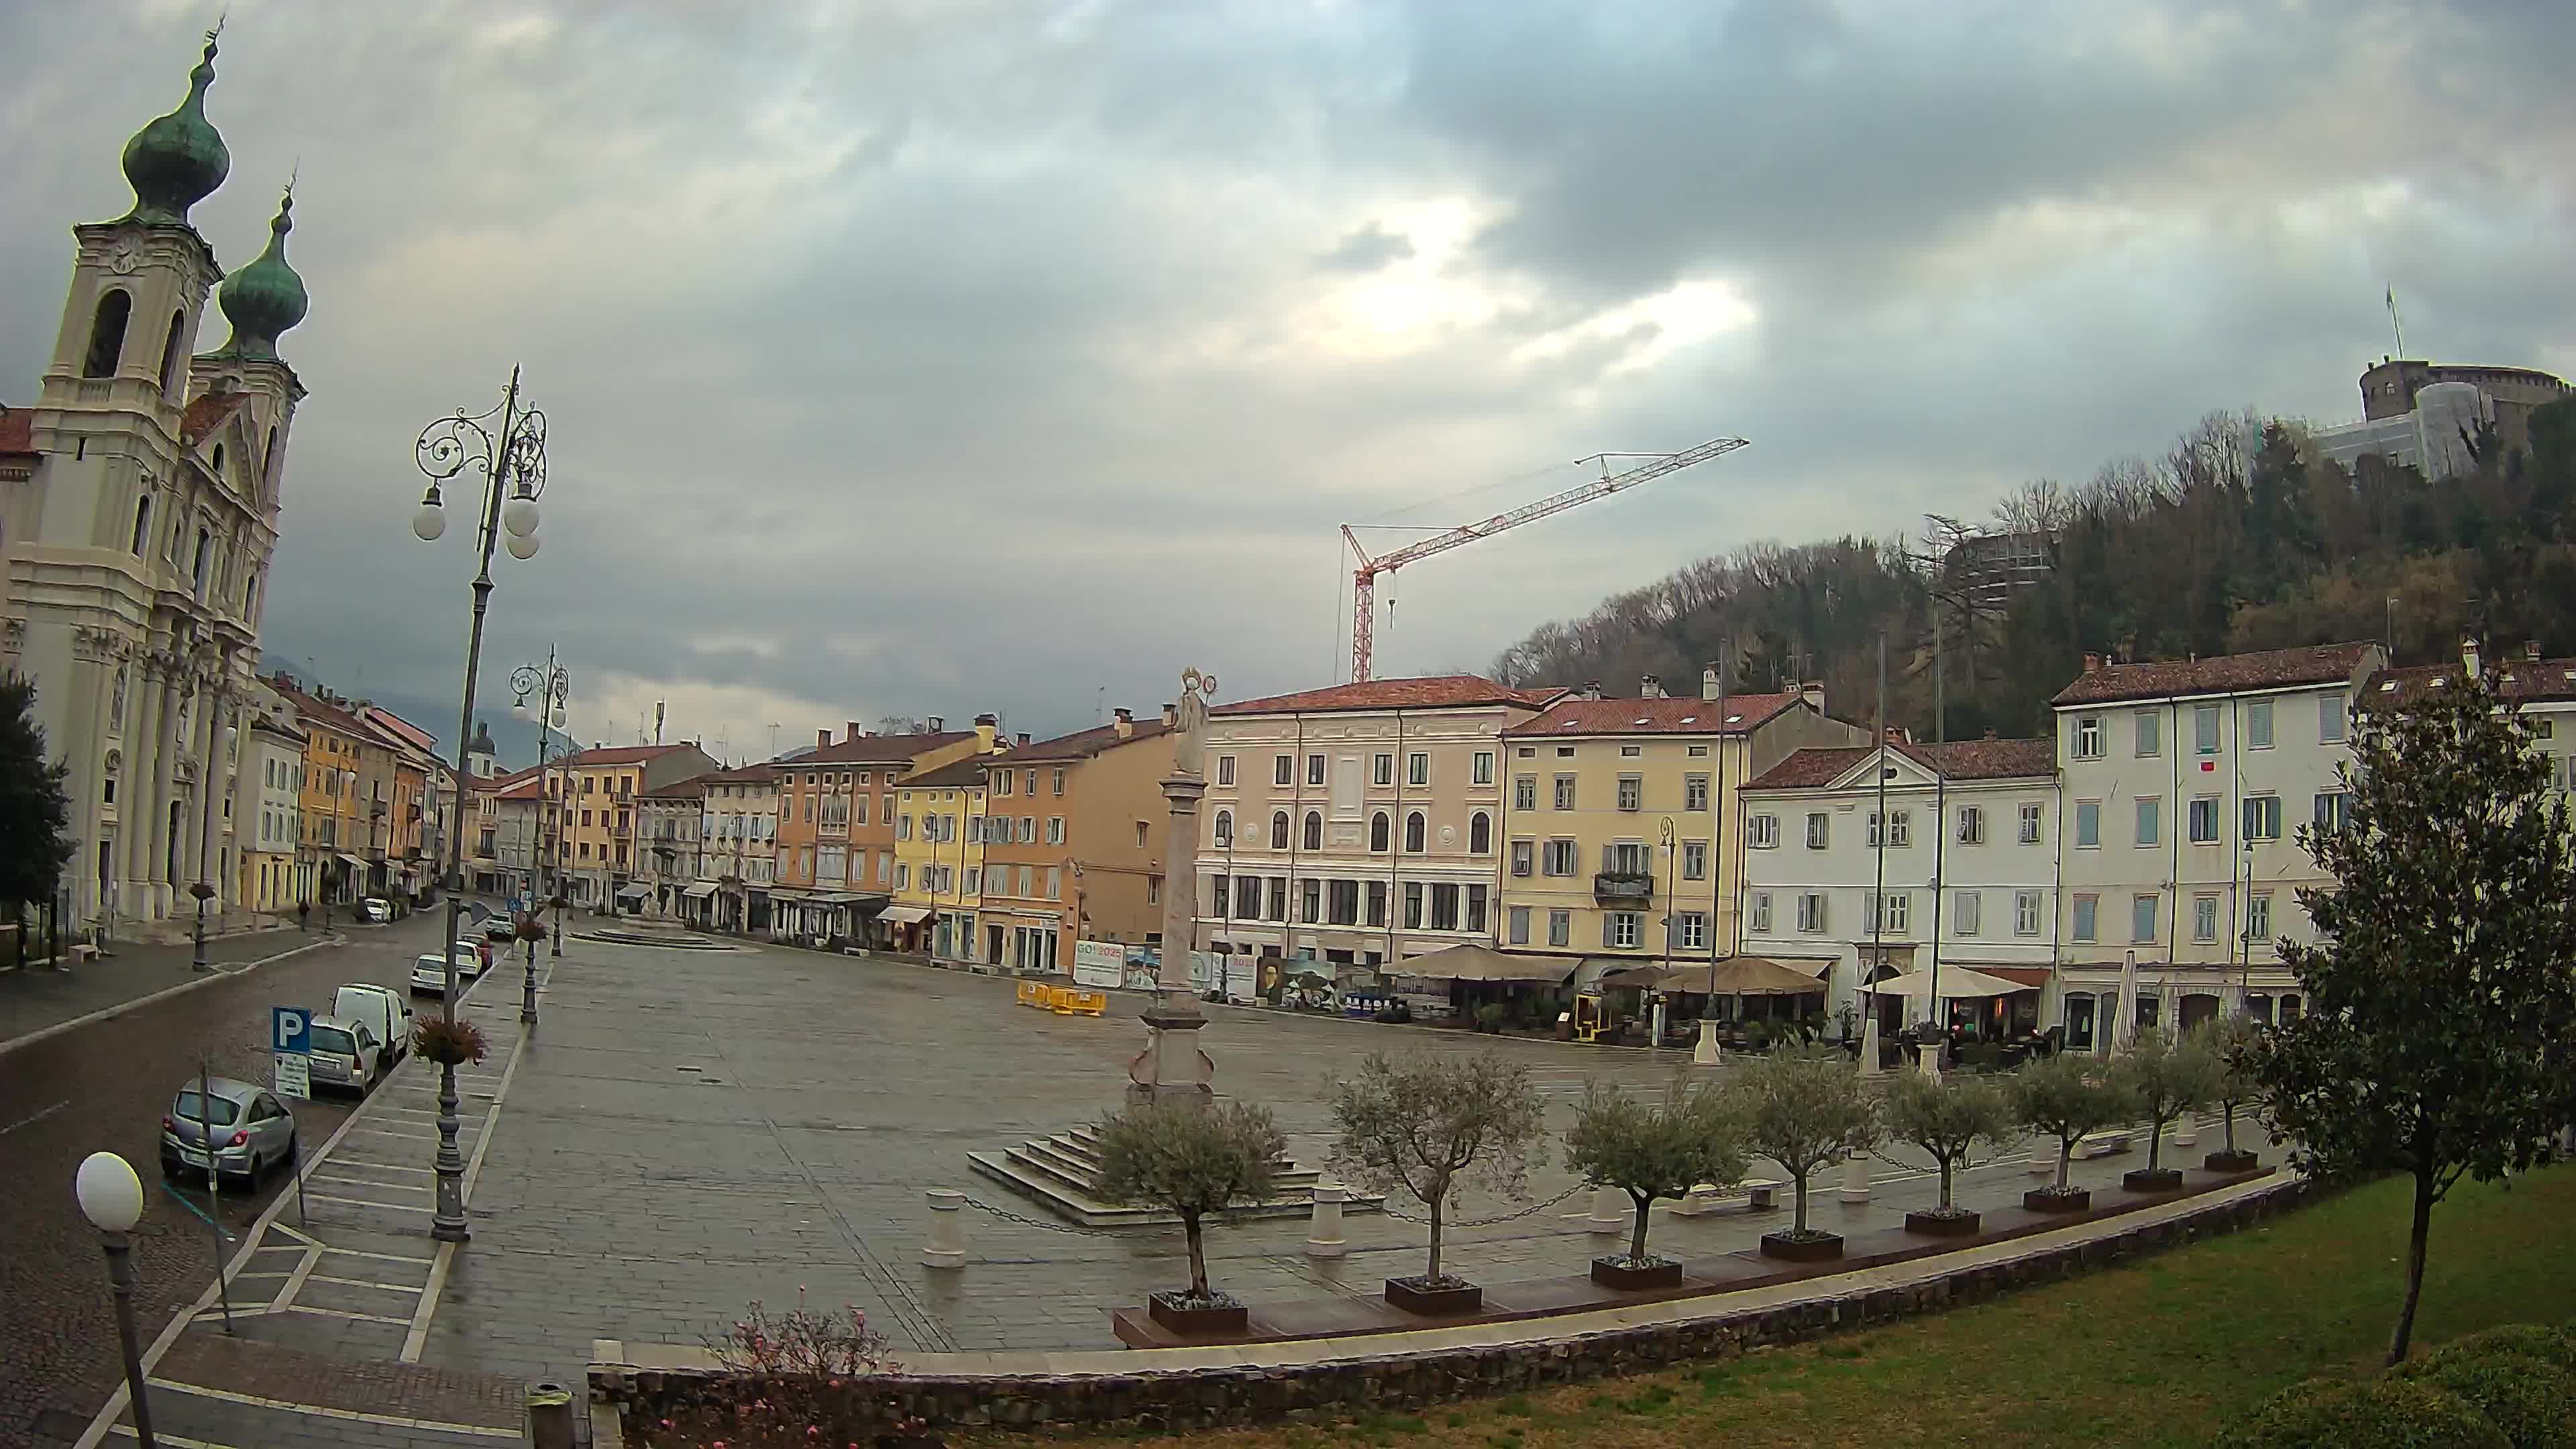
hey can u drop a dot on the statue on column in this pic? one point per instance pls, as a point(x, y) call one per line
point(1171, 1065)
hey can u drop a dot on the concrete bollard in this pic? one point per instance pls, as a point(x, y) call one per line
point(1869, 1048)
point(1705, 1052)
point(1611, 1211)
point(1324, 1230)
point(2043, 1159)
point(947, 1245)
point(2186, 1131)
point(1856, 1178)
point(1929, 1064)
point(550, 1416)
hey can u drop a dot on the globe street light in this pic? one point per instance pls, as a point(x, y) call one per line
point(513, 465)
point(111, 1197)
point(549, 687)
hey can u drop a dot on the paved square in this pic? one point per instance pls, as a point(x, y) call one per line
point(687, 1132)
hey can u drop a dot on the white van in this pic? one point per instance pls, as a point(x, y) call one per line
point(386, 1014)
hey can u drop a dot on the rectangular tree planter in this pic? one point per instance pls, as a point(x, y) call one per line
point(2050, 1200)
point(1199, 1319)
point(1413, 1296)
point(1618, 1273)
point(1822, 1249)
point(2231, 1162)
point(1943, 1225)
point(2152, 1179)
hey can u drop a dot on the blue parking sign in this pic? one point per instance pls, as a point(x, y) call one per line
point(289, 1029)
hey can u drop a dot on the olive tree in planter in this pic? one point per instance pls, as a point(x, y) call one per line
point(1429, 1126)
point(2064, 1097)
point(1194, 1159)
point(1805, 1111)
point(2163, 1077)
point(1652, 1150)
point(2230, 1042)
point(1951, 1122)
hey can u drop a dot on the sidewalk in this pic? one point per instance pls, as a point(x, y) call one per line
point(38, 997)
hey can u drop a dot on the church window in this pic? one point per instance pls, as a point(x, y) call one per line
point(107, 334)
point(219, 462)
point(142, 523)
point(170, 351)
point(205, 549)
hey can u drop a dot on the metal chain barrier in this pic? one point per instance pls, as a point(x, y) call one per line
point(1008, 1216)
point(1535, 1207)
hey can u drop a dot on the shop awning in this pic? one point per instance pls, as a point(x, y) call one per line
point(2031, 978)
point(633, 892)
point(1653, 976)
point(1956, 982)
point(351, 861)
point(700, 891)
point(905, 915)
point(857, 899)
point(1479, 963)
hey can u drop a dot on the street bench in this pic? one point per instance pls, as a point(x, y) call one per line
point(1759, 1194)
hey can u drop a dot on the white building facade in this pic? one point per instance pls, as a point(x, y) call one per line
point(139, 501)
point(2184, 785)
point(1963, 873)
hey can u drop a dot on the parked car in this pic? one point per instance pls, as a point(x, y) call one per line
point(342, 1053)
point(500, 927)
point(376, 909)
point(252, 1131)
point(429, 974)
point(384, 1013)
point(473, 958)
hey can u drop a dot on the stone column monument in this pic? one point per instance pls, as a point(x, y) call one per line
point(1172, 1064)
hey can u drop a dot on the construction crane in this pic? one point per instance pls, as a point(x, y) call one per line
point(1364, 578)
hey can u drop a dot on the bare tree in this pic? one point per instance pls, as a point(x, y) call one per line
point(1192, 1158)
point(1430, 1125)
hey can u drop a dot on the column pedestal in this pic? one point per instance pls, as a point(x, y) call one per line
point(1171, 1067)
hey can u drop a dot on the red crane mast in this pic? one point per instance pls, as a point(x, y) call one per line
point(1364, 578)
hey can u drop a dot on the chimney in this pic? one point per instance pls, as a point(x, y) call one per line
point(1021, 739)
point(2531, 650)
point(1814, 694)
point(2469, 654)
point(1708, 686)
point(849, 731)
point(2092, 663)
point(936, 724)
point(1592, 689)
point(1171, 714)
point(986, 726)
point(822, 739)
point(1124, 722)
point(1649, 687)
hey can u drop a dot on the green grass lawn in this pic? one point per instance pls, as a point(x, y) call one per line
point(2159, 1352)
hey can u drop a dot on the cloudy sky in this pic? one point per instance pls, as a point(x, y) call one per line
point(937, 356)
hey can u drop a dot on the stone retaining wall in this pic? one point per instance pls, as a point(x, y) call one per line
point(1397, 1378)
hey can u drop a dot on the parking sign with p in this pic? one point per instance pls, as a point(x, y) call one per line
point(290, 1029)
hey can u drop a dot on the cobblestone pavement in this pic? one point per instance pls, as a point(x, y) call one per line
point(36, 997)
point(105, 1084)
point(688, 1132)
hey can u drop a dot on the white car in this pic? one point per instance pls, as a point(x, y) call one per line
point(472, 957)
point(429, 975)
point(376, 909)
point(343, 1053)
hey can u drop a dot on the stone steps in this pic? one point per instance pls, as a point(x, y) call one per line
point(1063, 1173)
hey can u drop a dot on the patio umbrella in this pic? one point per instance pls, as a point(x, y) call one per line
point(2124, 1023)
point(1957, 983)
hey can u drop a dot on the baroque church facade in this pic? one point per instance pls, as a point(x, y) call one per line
point(140, 499)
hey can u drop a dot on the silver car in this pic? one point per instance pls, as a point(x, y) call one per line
point(252, 1131)
point(344, 1053)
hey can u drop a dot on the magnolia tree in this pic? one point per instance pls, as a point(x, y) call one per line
point(1951, 1122)
point(1805, 1111)
point(2231, 1042)
point(2064, 1097)
point(2441, 1008)
point(1194, 1159)
point(1429, 1126)
point(2163, 1077)
point(1655, 1149)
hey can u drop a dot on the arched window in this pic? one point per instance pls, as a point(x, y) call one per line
point(1279, 830)
point(267, 462)
point(107, 777)
point(250, 595)
point(205, 548)
point(1413, 833)
point(107, 334)
point(1480, 834)
point(1378, 832)
point(142, 523)
point(219, 462)
point(1225, 827)
point(1314, 830)
point(170, 352)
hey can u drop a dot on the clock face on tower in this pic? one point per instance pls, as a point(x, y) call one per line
point(125, 257)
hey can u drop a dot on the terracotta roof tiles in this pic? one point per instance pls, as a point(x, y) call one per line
point(619, 755)
point(880, 749)
point(1569, 717)
point(17, 431)
point(1438, 691)
point(2220, 674)
point(1964, 760)
point(1083, 744)
point(207, 413)
point(2517, 680)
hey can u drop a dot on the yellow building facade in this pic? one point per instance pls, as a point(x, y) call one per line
point(939, 857)
point(1621, 827)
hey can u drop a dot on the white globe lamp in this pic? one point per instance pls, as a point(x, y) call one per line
point(111, 1196)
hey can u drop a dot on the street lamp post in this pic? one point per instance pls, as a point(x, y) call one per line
point(111, 1197)
point(513, 463)
point(550, 687)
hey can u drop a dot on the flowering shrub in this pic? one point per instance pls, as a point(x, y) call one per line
point(446, 1042)
point(802, 1377)
point(530, 929)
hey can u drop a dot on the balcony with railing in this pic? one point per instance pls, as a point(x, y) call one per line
point(1623, 887)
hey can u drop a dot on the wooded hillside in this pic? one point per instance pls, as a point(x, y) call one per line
point(2237, 538)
